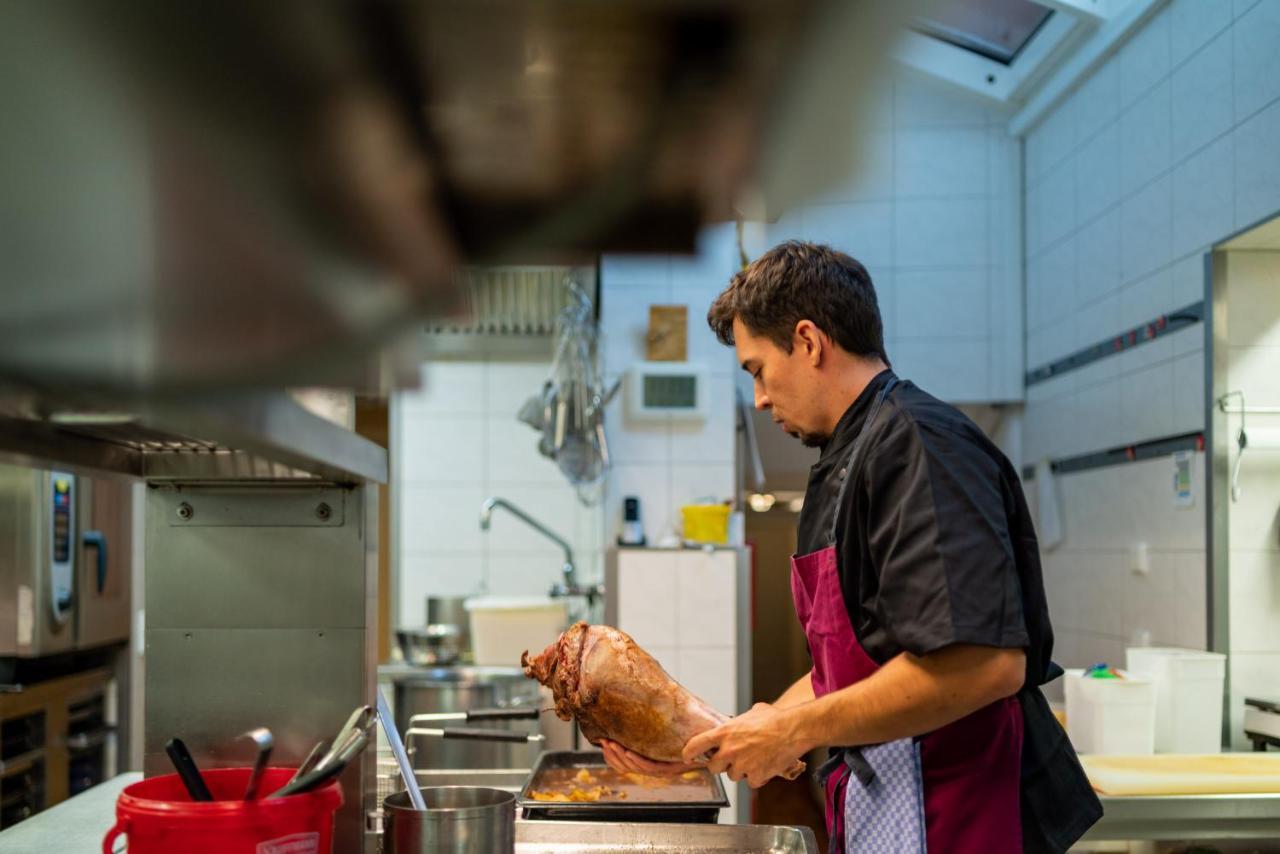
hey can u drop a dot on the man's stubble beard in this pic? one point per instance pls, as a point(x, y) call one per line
point(811, 440)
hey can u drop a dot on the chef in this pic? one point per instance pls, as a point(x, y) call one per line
point(917, 581)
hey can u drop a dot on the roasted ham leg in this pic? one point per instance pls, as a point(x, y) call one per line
point(616, 690)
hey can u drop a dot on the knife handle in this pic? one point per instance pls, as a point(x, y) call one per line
point(529, 714)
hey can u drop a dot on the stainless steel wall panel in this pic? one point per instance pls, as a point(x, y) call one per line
point(263, 616)
point(297, 575)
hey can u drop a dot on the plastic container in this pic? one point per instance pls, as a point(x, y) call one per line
point(706, 523)
point(1111, 716)
point(157, 816)
point(503, 628)
point(1189, 685)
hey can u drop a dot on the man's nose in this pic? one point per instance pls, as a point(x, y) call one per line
point(762, 399)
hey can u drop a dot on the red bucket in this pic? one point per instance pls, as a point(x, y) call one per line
point(159, 817)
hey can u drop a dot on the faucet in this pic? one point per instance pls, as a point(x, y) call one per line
point(569, 585)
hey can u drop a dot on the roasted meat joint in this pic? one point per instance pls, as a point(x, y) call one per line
point(615, 690)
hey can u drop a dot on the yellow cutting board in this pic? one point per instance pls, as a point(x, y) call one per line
point(1185, 774)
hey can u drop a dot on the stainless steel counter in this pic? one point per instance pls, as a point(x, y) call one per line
point(78, 825)
point(75, 826)
point(1187, 817)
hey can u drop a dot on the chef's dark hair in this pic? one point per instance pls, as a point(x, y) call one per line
point(797, 281)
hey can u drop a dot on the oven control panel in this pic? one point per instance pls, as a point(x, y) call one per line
point(62, 543)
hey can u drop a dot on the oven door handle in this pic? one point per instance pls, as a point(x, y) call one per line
point(98, 541)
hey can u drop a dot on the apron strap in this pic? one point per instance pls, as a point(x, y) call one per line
point(853, 454)
point(852, 758)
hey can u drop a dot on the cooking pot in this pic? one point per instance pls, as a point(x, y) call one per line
point(458, 820)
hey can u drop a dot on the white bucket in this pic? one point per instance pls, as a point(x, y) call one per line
point(1189, 686)
point(504, 627)
point(1111, 716)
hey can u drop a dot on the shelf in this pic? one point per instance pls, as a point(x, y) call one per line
point(237, 438)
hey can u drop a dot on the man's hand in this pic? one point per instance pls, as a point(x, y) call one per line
point(621, 759)
point(756, 746)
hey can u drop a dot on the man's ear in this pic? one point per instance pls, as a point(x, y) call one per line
point(810, 342)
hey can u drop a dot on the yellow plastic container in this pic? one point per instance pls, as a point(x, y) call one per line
point(706, 523)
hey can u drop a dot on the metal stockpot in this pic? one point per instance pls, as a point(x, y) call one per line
point(458, 820)
point(459, 689)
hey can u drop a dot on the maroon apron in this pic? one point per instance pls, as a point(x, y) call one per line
point(960, 782)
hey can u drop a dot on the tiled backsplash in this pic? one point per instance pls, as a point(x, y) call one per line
point(457, 443)
point(1096, 600)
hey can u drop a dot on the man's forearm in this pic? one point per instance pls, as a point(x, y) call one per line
point(908, 696)
point(800, 692)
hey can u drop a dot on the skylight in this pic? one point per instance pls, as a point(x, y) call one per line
point(995, 29)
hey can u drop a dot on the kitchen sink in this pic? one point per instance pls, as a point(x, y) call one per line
point(565, 837)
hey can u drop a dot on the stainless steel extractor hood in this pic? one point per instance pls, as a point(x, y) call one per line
point(203, 196)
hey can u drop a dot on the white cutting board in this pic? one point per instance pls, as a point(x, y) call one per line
point(1185, 774)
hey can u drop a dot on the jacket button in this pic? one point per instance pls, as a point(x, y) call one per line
point(843, 472)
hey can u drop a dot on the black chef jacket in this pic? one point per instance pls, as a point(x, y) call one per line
point(935, 546)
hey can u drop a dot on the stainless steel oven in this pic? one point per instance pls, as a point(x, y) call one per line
point(64, 562)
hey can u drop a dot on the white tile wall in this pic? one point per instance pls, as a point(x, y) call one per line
point(1145, 140)
point(1098, 173)
point(668, 463)
point(1097, 102)
point(934, 303)
point(935, 162)
point(941, 232)
point(930, 215)
point(863, 229)
point(1257, 169)
point(1257, 62)
point(1171, 144)
point(1202, 112)
point(1144, 60)
point(457, 442)
point(1203, 196)
point(1097, 247)
point(1097, 602)
point(1194, 22)
point(684, 603)
point(1146, 229)
point(1156, 179)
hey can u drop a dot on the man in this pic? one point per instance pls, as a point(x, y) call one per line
point(918, 585)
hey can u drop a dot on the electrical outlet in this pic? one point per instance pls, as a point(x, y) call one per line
point(1140, 559)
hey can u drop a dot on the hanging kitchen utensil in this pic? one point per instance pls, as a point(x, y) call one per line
point(569, 411)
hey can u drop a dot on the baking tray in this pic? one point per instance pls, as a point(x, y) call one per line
point(705, 810)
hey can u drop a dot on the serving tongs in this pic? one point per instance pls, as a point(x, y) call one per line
point(350, 740)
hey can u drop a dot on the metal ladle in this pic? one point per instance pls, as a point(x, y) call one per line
point(265, 742)
point(402, 758)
